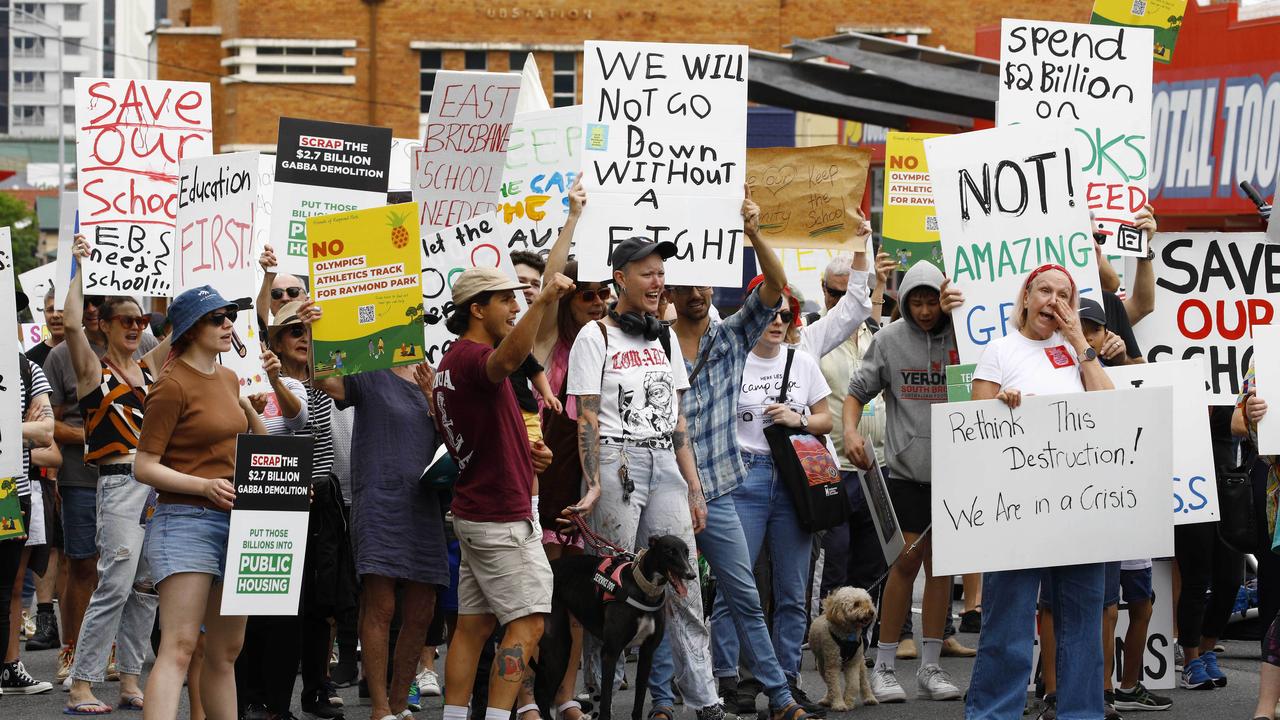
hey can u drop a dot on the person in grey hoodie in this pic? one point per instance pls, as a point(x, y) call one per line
point(907, 361)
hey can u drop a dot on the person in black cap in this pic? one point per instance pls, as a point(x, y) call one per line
point(1111, 348)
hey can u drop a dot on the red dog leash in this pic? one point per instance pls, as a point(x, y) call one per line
point(598, 543)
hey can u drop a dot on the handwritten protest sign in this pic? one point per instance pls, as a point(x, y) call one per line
point(32, 334)
point(267, 539)
point(809, 197)
point(665, 156)
point(1097, 79)
point(323, 168)
point(1266, 355)
point(130, 135)
point(36, 283)
point(1086, 466)
point(10, 378)
point(458, 171)
point(804, 270)
point(265, 192)
point(910, 223)
point(67, 228)
point(366, 275)
point(1164, 17)
point(403, 151)
point(543, 158)
point(1212, 289)
point(1195, 486)
point(447, 254)
point(1007, 204)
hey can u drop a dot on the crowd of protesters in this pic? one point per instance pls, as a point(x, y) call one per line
point(625, 407)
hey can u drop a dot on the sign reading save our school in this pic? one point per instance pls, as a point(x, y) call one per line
point(366, 275)
point(1091, 467)
point(267, 542)
point(323, 168)
point(130, 135)
point(1007, 202)
point(664, 156)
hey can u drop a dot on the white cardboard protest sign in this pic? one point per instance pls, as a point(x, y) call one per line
point(1097, 78)
point(67, 228)
point(458, 171)
point(130, 135)
point(32, 334)
point(883, 517)
point(403, 151)
point(1007, 203)
point(665, 156)
point(10, 374)
point(543, 159)
point(1195, 486)
point(36, 283)
point(1211, 290)
point(1064, 480)
point(1158, 672)
point(1266, 363)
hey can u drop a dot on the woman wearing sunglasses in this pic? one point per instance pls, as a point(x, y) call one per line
point(112, 391)
point(186, 451)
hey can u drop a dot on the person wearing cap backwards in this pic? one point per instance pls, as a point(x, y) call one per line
point(1047, 354)
point(637, 464)
point(186, 451)
point(504, 577)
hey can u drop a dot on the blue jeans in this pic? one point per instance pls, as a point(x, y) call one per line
point(998, 689)
point(765, 511)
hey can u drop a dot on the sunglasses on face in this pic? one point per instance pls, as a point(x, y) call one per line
point(687, 289)
point(295, 331)
point(785, 316)
point(602, 294)
point(218, 318)
point(137, 322)
point(833, 293)
point(279, 293)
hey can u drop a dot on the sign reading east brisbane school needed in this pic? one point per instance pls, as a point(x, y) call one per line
point(809, 196)
point(1007, 204)
point(665, 156)
point(323, 168)
point(130, 135)
point(267, 542)
point(1098, 80)
point(366, 272)
point(1090, 466)
point(1211, 290)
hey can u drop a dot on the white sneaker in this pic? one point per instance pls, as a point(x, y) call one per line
point(429, 683)
point(936, 683)
point(885, 685)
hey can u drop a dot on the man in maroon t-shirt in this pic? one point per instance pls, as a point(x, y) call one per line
point(504, 575)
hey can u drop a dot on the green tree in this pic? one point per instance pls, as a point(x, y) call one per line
point(24, 231)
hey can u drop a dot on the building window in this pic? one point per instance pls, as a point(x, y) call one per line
point(28, 116)
point(564, 80)
point(476, 60)
point(27, 13)
point(71, 46)
point(517, 60)
point(69, 81)
point(69, 114)
point(28, 47)
point(70, 12)
point(28, 82)
point(289, 61)
point(431, 61)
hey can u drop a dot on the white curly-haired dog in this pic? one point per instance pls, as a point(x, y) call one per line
point(837, 639)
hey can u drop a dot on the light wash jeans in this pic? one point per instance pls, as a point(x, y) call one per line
point(766, 512)
point(998, 690)
point(117, 613)
point(658, 505)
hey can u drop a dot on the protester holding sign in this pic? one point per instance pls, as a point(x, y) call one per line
point(1047, 354)
point(186, 451)
point(112, 391)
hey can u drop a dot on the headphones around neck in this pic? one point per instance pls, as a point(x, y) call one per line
point(634, 323)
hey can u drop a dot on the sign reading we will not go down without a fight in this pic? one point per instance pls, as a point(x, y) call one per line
point(664, 151)
point(1092, 468)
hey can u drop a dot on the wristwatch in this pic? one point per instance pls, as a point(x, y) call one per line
point(804, 421)
point(1088, 354)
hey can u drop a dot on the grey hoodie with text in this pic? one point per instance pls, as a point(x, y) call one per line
point(909, 366)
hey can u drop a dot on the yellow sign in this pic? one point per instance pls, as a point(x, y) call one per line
point(809, 197)
point(366, 275)
point(909, 230)
point(1162, 16)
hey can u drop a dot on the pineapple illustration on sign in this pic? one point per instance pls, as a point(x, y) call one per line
point(399, 233)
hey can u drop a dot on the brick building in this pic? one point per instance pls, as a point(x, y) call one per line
point(372, 62)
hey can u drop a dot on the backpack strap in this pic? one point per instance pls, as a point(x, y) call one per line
point(786, 375)
point(664, 338)
point(24, 368)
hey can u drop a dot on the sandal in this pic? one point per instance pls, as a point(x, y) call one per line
point(792, 711)
point(98, 708)
point(661, 712)
point(584, 713)
point(130, 702)
point(531, 707)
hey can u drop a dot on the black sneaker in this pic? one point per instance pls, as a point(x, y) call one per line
point(330, 690)
point(811, 708)
point(1049, 708)
point(344, 674)
point(1140, 698)
point(46, 635)
point(15, 681)
point(319, 708)
point(364, 692)
point(971, 622)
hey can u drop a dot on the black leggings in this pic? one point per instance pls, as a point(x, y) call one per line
point(10, 559)
point(268, 664)
point(1205, 563)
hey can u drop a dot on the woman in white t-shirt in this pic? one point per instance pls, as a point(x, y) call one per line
point(1047, 355)
point(763, 503)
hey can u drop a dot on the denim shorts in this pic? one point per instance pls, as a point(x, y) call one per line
point(187, 538)
point(1136, 586)
point(80, 521)
point(1133, 585)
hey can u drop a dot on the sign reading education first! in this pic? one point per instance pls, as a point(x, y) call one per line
point(267, 543)
point(664, 156)
point(323, 168)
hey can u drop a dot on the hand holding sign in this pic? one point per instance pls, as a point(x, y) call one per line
point(220, 492)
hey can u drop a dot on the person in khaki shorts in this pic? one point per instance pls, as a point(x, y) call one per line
point(504, 576)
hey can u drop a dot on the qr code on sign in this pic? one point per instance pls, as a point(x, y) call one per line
point(1139, 7)
point(931, 223)
point(367, 314)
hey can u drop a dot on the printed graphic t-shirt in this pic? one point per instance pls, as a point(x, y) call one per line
point(636, 381)
point(761, 386)
point(486, 434)
point(1033, 367)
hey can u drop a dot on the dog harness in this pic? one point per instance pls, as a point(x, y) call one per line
point(849, 646)
point(610, 587)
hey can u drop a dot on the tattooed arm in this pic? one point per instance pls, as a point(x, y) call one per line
point(37, 427)
point(589, 453)
point(689, 469)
